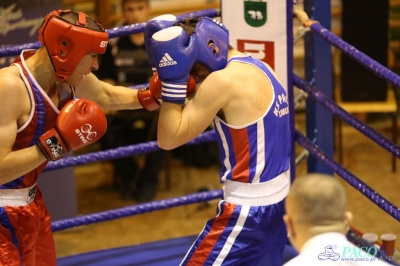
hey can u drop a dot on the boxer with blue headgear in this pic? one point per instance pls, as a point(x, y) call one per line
point(212, 44)
point(174, 54)
point(249, 108)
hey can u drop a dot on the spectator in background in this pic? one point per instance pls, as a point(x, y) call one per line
point(127, 54)
point(125, 62)
point(317, 222)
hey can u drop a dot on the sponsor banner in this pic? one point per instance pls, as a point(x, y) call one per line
point(20, 21)
point(260, 28)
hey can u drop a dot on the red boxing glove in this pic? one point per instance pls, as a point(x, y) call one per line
point(80, 123)
point(191, 86)
point(150, 97)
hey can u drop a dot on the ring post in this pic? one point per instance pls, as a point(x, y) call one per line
point(318, 72)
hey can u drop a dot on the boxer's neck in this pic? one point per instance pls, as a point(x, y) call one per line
point(234, 52)
point(42, 70)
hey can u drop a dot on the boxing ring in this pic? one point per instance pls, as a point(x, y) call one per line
point(170, 252)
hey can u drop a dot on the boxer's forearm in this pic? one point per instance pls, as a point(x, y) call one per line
point(18, 163)
point(108, 96)
point(178, 124)
point(120, 98)
point(169, 126)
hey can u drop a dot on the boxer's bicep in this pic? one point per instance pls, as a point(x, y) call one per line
point(9, 114)
point(8, 133)
point(210, 97)
point(201, 110)
point(15, 110)
point(179, 124)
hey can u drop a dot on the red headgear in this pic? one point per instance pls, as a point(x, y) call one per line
point(67, 43)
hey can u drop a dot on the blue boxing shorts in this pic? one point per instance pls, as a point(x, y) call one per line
point(243, 234)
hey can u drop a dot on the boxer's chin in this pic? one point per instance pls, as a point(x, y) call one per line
point(71, 83)
point(74, 81)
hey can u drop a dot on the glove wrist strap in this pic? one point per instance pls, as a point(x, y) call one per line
point(174, 92)
point(52, 146)
point(147, 100)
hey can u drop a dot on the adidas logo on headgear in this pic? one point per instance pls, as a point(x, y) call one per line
point(167, 61)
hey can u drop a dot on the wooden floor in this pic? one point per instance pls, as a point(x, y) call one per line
point(96, 193)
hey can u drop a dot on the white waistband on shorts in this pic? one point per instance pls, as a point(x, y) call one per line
point(258, 194)
point(16, 197)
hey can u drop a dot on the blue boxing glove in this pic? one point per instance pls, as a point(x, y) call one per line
point(156, 24)
point(174, 54)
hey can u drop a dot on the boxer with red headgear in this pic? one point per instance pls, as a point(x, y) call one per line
point(68, 43)
point(50, 104)
point(249, 108)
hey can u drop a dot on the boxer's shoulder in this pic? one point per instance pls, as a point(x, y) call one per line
point(220, 78)
point(13, 93)
point(9, 75)
point(11, 82)
point(217, 85)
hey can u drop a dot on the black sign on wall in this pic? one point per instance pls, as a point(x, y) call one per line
point(365, 26)
point(20, 21)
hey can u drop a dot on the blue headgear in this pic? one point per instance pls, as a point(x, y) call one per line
point(208, 36)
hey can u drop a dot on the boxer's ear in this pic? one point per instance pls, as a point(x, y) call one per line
point(289, 227)
point(348, 217)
